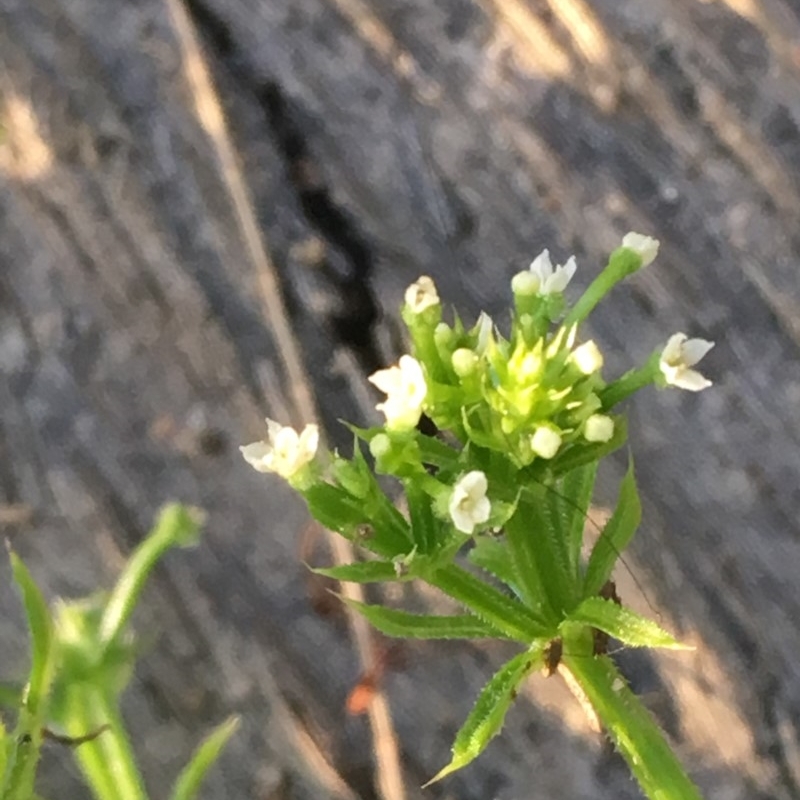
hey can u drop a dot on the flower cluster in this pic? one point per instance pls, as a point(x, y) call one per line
point(535, 395)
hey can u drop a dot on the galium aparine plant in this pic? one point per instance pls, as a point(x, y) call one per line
point(497, 500)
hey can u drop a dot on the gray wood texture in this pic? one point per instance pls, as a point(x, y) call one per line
point(382, 140)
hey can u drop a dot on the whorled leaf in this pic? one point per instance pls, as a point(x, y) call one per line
point(188, 783)
point(488, 714)
point(394, 622)
point(631, 728)
point(40, 625)
point(629, 627)
point(617, 533)
point(361, 572)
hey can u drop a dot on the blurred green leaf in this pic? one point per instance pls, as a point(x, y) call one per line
point(176, 526)
point(188, 782)
point(10, 696)
point(40, 624)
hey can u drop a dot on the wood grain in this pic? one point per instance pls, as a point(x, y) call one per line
point(381, 141)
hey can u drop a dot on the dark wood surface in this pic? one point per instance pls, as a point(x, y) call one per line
point(380, 141)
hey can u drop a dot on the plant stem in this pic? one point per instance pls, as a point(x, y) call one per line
point(107, 763)
point(631, 727)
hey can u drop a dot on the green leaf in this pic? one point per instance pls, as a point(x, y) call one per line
point(623, 624)
point(504, 613)
point(394, 622)
point(616, 535)
point(489, 712)
point(495, 558)
point(425, 528)
point(631, 727)
point(43, 644)
point(336, 510)
point(361, 572)
point(188, 782)
point(10, 696)
point(539, 548)
point(438, 453)
point(577, 487)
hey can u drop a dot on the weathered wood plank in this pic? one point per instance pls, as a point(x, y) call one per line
point(135, 354)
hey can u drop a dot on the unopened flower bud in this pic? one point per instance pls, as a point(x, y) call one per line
point(598, 428)
point(545, 442)
point(464, 361)
point(645, 246)
point(525, 283)
point(588, 358)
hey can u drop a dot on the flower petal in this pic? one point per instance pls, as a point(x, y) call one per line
point(694, 350)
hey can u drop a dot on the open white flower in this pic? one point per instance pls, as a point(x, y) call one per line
point(285, 452)
point(645, 246)
point(552, 280)
point(405, 390)
point(469, 506)
point(421, 295)
point(678, 358)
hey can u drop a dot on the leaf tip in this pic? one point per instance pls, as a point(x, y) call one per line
point(453, 766)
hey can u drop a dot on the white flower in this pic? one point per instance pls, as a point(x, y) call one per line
point(405, 390)
point(421, 295)
point(552, 281)
point(587, 358)
point(545, 442)
point(285, 451)
point(598, 428)
point(645, 246)
point(469, 506)
point(677, 359)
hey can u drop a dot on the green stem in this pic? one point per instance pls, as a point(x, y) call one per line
point(621, 263)
point(20, 769)
point(631, 727)
point(107, 762)
point(630, 382)
point(176, 526)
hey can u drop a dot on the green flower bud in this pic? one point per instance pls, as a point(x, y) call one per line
point(465, 362)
